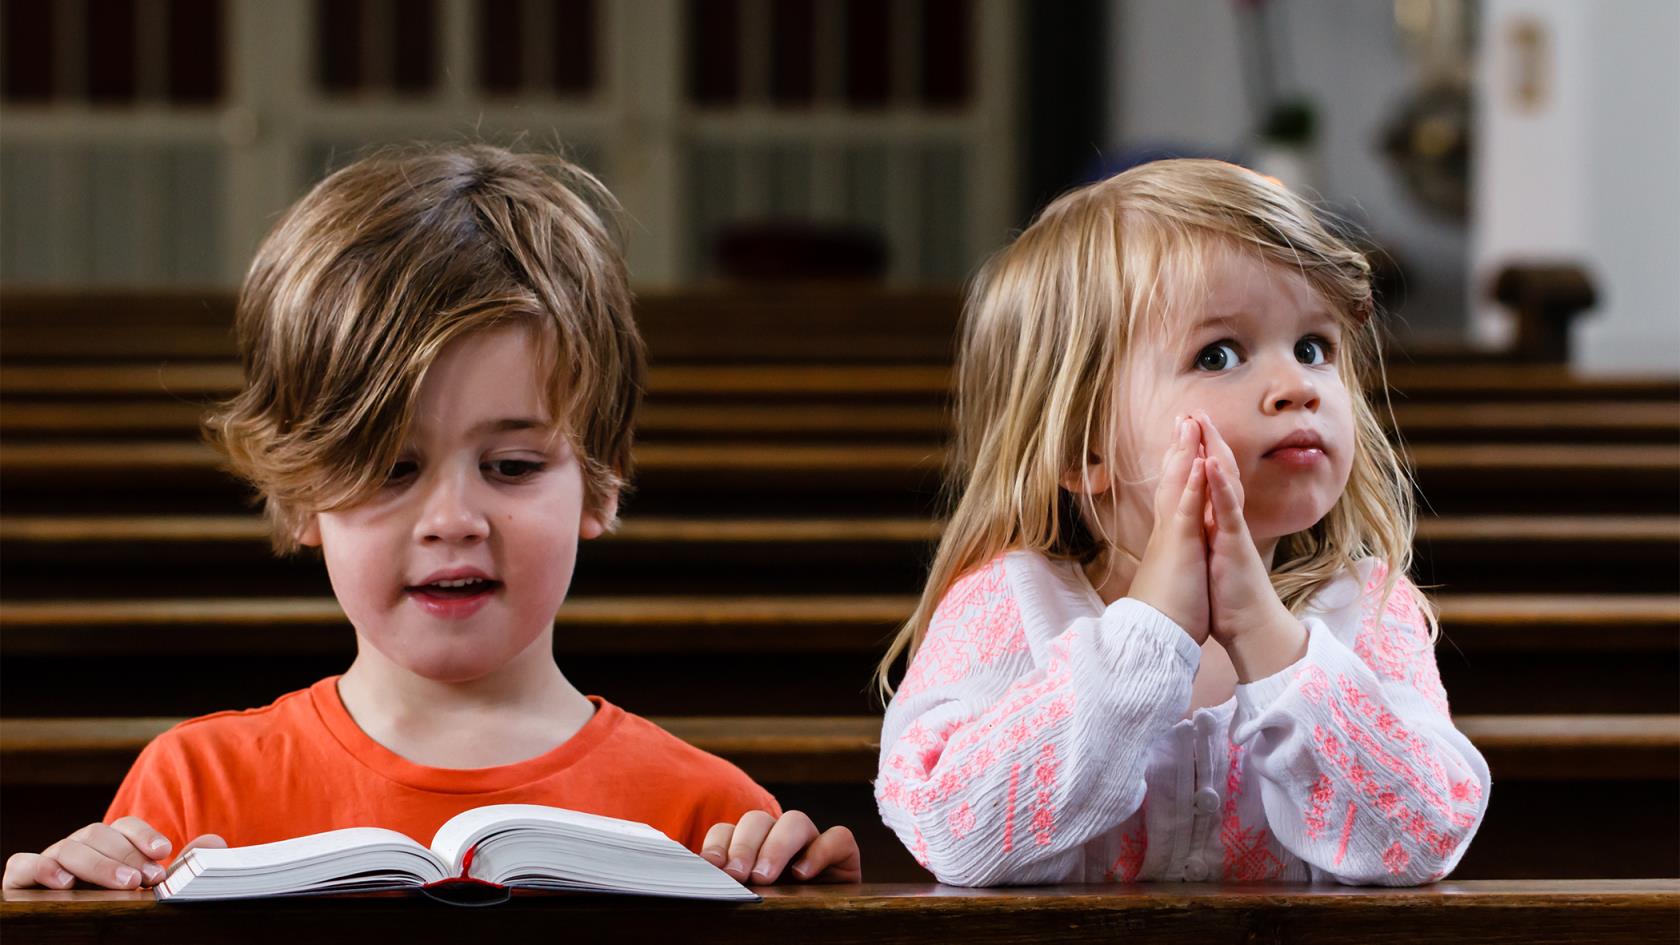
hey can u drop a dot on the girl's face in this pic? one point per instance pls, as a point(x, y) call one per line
point(484, 493)
point(1260, 355)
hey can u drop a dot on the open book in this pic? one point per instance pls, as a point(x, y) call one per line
point(523, 846)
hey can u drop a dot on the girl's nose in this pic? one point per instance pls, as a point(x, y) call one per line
point(1289, 388)
point(449, 514)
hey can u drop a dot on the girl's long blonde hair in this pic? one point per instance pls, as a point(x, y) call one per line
point(1047, 323)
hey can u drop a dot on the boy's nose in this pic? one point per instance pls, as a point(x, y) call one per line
point(449, 515)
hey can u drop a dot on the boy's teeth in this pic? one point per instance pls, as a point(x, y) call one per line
point(464, 582)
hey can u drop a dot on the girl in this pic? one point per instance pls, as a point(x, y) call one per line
point(1167, 634)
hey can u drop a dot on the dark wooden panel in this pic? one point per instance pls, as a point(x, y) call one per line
point(714, 51)
point(29, 42)
point(112, 49)
point(196, 51)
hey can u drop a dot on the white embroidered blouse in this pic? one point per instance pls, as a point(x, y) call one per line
point(1040, 737)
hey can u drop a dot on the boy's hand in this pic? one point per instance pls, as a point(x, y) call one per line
point(758, 848)
point(1172, 576)
point(1244, 613)
point(124, 854)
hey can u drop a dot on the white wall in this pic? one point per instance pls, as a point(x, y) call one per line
point(1590, 172)
point(1176, 76)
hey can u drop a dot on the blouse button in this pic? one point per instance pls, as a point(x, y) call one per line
point(1207, 800)
point(1195, 870)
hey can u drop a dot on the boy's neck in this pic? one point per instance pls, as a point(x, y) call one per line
point(528, 706)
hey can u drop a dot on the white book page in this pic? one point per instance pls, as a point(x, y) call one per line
point(468, 827)
point(298, 850)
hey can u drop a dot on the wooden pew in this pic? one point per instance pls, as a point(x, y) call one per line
point(1609, 912)
point(887, 478)
point(660, 420)
point(42, 555)
point(1621, 768)
point(799, 655)
point(923, 382)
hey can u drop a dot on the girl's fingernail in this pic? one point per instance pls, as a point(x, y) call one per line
point(153, 872)
point(160, 845)
point(762, 873)
point(126, 875)
point(62, 878)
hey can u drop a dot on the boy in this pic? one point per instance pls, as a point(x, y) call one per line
point(442, 375)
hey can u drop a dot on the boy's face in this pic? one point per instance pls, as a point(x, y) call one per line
point(484, 491)
point(1266, 367)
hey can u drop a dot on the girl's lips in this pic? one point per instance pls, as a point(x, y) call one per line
point(1297, 457)
point(453, 607)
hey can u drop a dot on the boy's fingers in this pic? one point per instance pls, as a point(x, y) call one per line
point(24, 870)
point(749, 835)
point(90, 865)
point(119, 846)
point(144, 838)
point(833, 858)
point(208, 840)
point(715, 848)
point(792, 832)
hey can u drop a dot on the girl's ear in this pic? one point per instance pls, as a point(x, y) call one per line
point(593, 524)
point(309, 533)
point(1093, 478)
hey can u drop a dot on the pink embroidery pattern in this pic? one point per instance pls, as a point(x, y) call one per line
point(1247, 857)
point(1393, 640)
point(976, 624)
point(1009, 808)
point(1044, 814)
point(1128, 863)
point(1347, 831)
point(919, 849)
point(962, 821)
point(1396, 859)
point(1322, 795)
point(1415, 824)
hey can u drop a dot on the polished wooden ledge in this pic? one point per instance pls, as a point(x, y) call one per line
point(1601, 911)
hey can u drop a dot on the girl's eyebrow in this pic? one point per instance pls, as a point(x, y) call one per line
point(1316, 317)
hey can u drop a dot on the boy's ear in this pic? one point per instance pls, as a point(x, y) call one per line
point(309, 533)
point(593, 523)
point(1093, 478)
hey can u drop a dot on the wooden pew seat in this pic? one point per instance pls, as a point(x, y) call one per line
point(1609, 912)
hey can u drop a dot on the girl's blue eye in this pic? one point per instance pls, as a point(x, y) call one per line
point(1221, 355)
point(1212, 358)
point(515, 468)
point(1309, 343)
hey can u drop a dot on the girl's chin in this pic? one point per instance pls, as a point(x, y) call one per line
point(1266, 528)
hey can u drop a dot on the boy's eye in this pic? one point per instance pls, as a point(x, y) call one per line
point(514, 468)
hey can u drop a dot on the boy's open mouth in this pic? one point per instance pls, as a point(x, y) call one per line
point(455, 590)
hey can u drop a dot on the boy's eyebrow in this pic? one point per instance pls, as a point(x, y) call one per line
point(508, 425)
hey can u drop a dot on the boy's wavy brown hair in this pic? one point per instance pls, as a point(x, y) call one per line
point(365, 280)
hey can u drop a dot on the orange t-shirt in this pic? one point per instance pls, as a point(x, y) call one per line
point(302, 766)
